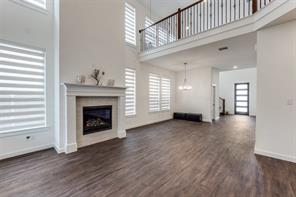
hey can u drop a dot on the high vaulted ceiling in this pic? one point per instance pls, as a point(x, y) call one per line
point(163, 8)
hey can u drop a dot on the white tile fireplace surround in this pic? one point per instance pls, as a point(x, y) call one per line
point(76, 96)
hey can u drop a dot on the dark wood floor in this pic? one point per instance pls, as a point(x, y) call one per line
point(174, 158)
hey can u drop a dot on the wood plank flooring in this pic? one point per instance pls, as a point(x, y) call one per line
point(173, 158)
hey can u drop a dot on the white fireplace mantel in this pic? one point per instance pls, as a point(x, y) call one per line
point(68, 113)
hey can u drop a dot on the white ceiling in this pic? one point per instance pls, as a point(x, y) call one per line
point(241, 53)
point(163, 8)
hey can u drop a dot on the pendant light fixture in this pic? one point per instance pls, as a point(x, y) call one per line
point(185, 86)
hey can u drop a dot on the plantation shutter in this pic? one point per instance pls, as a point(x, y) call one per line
point(130, 24)
point(130, 94)
point(22, 88)
point(165, 94)
point(150, 38)
point(154, 93)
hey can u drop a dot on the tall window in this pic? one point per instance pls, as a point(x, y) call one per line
point(130, 24)
point(162, 36)
point(165, 94)
point(150, 38)
point(22, 88)
point(154, 92)
point(130, 94)
point(159, 93)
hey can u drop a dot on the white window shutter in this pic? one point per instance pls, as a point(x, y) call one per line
point(154, 93)
point(22, 88)
point(165, 94)
point(130, 94)
point(150, 38)
point(130, 24)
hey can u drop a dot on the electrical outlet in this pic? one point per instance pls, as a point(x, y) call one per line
point(29, 138)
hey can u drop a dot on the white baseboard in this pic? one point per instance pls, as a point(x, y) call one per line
point(275, 155)
point(25, 151)
point(58, 149)
point(147, 123)
point(207, 120)
point(70, 148)
point(122, 134)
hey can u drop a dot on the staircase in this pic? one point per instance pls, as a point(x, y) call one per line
point(201, 16)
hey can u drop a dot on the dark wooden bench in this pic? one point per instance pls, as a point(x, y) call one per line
point(188, 116)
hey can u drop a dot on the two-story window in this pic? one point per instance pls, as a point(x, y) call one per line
point(159, 93)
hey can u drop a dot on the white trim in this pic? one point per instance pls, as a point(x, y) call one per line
point(122, 135)
point(275, 155)
point(25, 151)
point(70, 148)
point(68, 119)
point(58, 149)
point(128, 44)
point(24, 132)
point(149, 123)
point(31, 6)
point(243, 26)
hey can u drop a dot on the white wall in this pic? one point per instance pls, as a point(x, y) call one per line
point(276, 95)
point(227, 81)
point(91, 37)
point(91, 33)
point(33, 28)
point(216, 84)
point(199, 99)
point(143, 116)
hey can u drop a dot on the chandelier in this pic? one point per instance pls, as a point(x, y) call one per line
point(185, 86)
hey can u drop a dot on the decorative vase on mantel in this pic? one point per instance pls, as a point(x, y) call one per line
point(80, 79)
point(98, 76)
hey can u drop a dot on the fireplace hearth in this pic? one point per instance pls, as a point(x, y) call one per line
point(97, 119)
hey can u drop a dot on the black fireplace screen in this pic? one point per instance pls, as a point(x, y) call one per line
point(96, 119)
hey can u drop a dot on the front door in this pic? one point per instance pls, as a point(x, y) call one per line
point(241, 98)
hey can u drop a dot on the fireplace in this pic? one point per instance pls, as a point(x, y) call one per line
point(97, 119)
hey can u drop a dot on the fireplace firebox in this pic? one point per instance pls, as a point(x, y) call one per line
point(97, 119)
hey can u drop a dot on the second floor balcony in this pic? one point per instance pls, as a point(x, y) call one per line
point(202, 16)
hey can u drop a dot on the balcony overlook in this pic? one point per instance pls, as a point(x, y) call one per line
point(197, 18)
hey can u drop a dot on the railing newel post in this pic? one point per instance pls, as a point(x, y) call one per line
point(254, 6)
point(179, 24)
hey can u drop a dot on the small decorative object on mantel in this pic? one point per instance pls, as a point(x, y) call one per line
point(110, 82)
point(98, 76)
point(80, 79)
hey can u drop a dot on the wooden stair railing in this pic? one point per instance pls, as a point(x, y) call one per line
point(196, 18)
